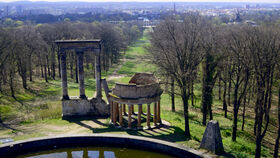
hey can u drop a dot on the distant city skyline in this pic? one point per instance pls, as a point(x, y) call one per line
point(245, 1)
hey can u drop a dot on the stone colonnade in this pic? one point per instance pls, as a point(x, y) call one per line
point(118, 111)
point(80, 49)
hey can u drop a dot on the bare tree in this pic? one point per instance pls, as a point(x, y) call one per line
point(212, 56)
point(175, 49)
point(276, 147)
point(237, 49)
point(264, 51)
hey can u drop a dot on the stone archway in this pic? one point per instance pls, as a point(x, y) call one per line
point(82, 105)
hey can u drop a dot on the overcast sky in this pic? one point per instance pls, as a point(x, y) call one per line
point(256, 1)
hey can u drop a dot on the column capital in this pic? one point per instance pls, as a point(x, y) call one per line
point(79, 51)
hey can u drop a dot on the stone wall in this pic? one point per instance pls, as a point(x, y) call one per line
point(132, 91)
point(84, 107)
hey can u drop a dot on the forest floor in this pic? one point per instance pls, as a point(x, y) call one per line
point(37, 112)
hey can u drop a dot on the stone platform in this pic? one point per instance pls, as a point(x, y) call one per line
point(84, 107)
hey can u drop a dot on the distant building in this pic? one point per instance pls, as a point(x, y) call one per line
point(7, 11)
point(238, 17)
point(250, 23)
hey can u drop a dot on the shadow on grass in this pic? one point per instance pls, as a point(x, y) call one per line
point(8, 126)
point(167, 133)
point(170, 133)
point(18, 100)
point(107, 127)
point(227, 155)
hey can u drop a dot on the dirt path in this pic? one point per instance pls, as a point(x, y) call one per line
point(115, 74)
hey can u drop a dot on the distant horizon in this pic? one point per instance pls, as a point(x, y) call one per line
point(207, 1)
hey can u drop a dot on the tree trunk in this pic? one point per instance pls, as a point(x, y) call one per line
point(235, 109)
point(208, 82)
point(12, 84)
point(30, 72)
point(229, 89)
point(210, 112)
point(276, 147)
point(23, 77)
point(192, 94)
point(0, 85)
point(224, 99)
point(30, 69)
point(48, 65)
point(220, 87)
point(243, 113)
point(42, 69)
point(258, 147)
point(260, 110)
point(234, 127)
point(4, 77)
point(172, 95)
point(185, 99)
point(204, 106)
point(22, 72)
point(45, 72)
point(206, 94)
point(104, 61)
point(1, 78)
point(53, 62)
point(256, 120)
point(58, 61)
point(53, 70)
point(71, 70)
point(76, 70)
point(108, 64)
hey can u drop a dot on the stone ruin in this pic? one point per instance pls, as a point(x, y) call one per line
point(143, 88)
point(82, 105)
point(212, 139)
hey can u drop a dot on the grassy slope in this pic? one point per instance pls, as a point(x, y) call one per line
point(44, 118)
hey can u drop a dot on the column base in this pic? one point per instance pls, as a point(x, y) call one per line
point(83, 97)
point(65, 97)
point(140, 128)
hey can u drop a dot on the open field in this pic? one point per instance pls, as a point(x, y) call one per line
point(37, 112)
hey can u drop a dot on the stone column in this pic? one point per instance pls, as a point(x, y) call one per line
point(80, 61)
point(155, 113)
point(129, 115)
point(139, 116)
point(112, 111)
point(115, 105)
point(158, 112)
point(124, 110)
point(64, 76)
point(120, 115)
point(98, 76)
point(133, 109)
point(148, 116)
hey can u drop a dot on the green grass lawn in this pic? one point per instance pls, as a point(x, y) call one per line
point(42, 107)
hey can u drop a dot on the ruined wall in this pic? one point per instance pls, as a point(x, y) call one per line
point(84, 107)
